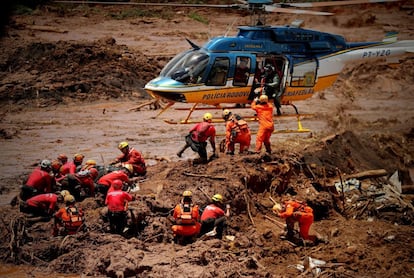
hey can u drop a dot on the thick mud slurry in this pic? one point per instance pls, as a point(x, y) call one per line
point(78, 91)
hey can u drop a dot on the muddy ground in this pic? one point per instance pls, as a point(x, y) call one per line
point(70, 80)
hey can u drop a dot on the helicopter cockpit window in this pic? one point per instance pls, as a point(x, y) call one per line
point(187, 67)
point(218, 73)
point(304, 75)
point(242, 71)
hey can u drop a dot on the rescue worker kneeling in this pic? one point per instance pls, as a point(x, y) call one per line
point(186, 216)
point(117, 202)
point(294, 211)
point(68, 220)
point(214, 217)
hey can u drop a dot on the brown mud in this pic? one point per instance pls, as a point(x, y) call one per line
point(71, 90)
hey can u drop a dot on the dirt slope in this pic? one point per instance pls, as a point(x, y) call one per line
point(71, 92)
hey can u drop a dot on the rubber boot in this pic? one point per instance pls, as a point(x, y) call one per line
point(268, 148)
point(180, 153)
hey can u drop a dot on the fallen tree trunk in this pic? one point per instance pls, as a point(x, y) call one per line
point(367, 174)
point(45, 28)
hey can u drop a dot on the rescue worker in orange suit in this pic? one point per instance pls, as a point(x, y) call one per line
point(186, 216)
point(197, 139)
point(81, 184)
point(117, 203)
point(68, 220)
point(42, 205)
point(105, 182)
point(237, 132)
point(294, 211)
point(131, 156)
point(264, 111)
point(39, 181)
point(214, 217)
point(73, 166)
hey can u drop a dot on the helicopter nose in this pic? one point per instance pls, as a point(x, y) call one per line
point(172, 96)
point(165, 88)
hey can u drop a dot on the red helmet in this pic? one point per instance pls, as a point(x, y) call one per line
point(93, 173)
point(117, 184)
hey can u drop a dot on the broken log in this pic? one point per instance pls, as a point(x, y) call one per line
point(45, 29)
point(204, 176)
point(367, 174)
point(279, 224)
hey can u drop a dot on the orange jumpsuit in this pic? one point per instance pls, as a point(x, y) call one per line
point(187, 220)
point(266, 125)
point(237, 133)
point(298, 212)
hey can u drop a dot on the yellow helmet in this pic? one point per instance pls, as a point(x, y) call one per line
point(64, 193)
point(217, 198)
point(187, 193)
point(90, 162)
point(69, 199)
point(207, 116)
point(277, 207)
point(226, 113)
point(129, 167)
point(263, 98)
point(122, 145)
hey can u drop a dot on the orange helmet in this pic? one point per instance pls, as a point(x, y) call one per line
point(93, 173)
point(62, 158)
point(56, 164)
point(117, 184)
point(78, 158)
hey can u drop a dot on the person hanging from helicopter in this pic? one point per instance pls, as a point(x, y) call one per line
point(270, 85)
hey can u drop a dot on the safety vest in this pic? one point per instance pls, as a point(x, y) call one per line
point(185, 216)
point(74, 220)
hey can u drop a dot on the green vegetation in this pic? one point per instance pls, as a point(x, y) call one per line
point(195, 16)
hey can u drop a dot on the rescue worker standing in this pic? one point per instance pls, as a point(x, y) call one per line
point(68, 220)
point(197, 139)
point(117, 202)
point(214, 216)
point(264, 111)
point(237, 132)
point(186, 216)
point(39, 181)
point(294, 211)
point(131, 156)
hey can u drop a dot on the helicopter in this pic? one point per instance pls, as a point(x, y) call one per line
point(307, 61)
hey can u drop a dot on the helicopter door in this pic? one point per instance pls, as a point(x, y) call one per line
point(219, 71)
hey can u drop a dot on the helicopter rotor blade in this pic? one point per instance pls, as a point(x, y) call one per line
point(232, 6)
point(335, 3)
point(275, 9)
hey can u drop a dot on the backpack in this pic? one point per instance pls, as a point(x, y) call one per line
point(75, 220)
point(186, 214)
